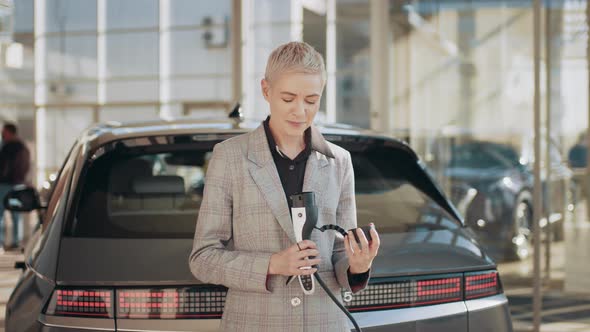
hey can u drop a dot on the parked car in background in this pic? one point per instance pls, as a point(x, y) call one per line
point(501, 211)
point(112, 252)
point(558, 193)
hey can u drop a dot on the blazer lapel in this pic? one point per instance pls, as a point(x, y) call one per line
point(264, 172)
point(316, 176)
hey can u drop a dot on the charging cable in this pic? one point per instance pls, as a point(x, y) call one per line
point(341, 230)
point(304, 215)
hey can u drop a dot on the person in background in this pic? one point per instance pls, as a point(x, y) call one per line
point(15, 162)
point(577, 160)
point(577, 156)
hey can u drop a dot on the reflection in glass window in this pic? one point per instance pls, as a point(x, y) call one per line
point(71, 57)
point(132, 14)
point(190, 12)
point(132, 54)
point(142, 195)
point(5, 23)
point(353, 62)
point(69, 15)
point(62, 128)
point(128, 114)
point(140, 192)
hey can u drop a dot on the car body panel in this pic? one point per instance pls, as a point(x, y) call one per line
point(110, 260)
point(455, 319)
point(429, 252)
point(490, 314)
point(180, 325)
point(83, 261)
point(27, 300)
point(57, 323)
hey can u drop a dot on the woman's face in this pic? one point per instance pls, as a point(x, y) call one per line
point(294, 100)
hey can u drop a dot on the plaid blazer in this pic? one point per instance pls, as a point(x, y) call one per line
point(244, 218)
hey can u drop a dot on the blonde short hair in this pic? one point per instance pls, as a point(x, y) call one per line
point(299, 57)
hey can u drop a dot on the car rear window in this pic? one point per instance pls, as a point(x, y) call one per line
point(146, 193)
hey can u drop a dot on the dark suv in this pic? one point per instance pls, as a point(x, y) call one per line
point(111, 253)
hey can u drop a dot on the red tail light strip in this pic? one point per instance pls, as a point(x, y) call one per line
point(91, 303)
point(438, 287)
point(194, 302)
point(200, 302)
point(148, 300)
point(404, 293)
point(481, 284)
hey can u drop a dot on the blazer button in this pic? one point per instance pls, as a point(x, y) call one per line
point(295, 301)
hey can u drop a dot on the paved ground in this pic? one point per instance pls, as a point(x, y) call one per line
point(8, 278)
point(561, 311)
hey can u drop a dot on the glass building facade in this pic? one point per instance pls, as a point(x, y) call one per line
point(436, 73)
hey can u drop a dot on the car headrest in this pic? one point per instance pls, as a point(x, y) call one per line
point(160, 184)
point(121, 173)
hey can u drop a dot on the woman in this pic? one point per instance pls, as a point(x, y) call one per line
point(244, 237)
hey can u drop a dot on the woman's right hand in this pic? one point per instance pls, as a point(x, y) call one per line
point(293, 261)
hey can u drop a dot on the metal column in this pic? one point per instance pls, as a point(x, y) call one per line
point(586, 180)
point(380, 46)
point(537, 198)
point(466, 28)
point(548, 97)
point(236, 46)
point(331, 61)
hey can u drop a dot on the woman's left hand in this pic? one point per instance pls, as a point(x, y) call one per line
point(360, 256)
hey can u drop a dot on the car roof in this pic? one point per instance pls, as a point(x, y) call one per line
point(104, 133)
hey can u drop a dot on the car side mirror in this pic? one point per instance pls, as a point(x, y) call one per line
point(20, 265)
point(22, 199)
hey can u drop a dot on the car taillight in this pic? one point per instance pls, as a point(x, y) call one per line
point(202, 302)
point(81, 303)
point(482, 284)
point(188, 302)
point(407, 293)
